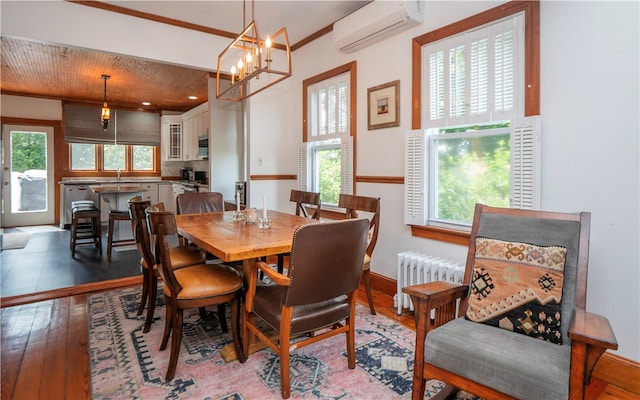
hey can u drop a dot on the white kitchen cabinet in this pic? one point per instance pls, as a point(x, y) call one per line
point(172, 138)
point(166, 196)
point(151, 192)
point(195, 125)
point(180, 133)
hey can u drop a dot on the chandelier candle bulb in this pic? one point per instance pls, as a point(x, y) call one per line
point(264, 206)
point(238, 201)
point(249, 62)
point(267, 44)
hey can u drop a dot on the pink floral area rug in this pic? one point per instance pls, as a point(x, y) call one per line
point(127, 364)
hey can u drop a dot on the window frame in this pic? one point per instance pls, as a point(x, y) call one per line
point(100, 170)
point(308, 140)
point(531, 10)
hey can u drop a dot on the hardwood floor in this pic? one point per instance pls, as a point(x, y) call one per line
point(45, 348)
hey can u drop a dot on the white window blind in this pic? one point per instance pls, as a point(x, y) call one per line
point(346, 163)
point(415, 173)
point(83, 125)
point(328, 113)
point(303, 167)
point(474, 77)
point(525, 163)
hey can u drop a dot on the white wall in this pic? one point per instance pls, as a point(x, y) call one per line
point(589, 107)
point(29, 107)
point(226, 163)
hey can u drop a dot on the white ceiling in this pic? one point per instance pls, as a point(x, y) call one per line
point(50, 70)
point(301, 17)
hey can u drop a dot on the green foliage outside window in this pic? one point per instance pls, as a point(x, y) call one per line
point(28, 151)
point(471, 170)
point(83, 156)
point(114, 157)
point(143, 158)
point(329, 167)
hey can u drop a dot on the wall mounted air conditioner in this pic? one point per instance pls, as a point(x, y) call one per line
point(376, 21)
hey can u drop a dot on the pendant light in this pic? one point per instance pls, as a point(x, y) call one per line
point(252, 64)
point(105, 109)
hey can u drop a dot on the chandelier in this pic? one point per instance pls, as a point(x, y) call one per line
point(251, 64)
point(104, 117)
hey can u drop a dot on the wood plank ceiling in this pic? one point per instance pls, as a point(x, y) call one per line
point(52, 71)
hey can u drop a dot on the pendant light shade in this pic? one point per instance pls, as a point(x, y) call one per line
point(106, 112)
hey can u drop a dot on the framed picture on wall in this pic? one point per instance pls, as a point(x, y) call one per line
point(383, 105)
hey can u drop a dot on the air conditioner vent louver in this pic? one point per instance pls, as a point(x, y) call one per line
point(376, 21)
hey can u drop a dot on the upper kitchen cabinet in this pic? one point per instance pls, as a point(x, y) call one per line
point(172, 138)
point(181, 133)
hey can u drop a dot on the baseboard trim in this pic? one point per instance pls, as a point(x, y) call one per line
point(611, 368)
point(619, 371)
point(70, 291)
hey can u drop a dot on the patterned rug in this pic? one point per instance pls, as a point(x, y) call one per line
point(126, 364)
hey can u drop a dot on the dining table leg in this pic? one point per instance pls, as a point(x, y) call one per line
point(228, 352)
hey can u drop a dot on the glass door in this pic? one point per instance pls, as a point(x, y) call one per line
point(27, 176)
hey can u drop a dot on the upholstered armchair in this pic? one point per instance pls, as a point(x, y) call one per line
point(522, 330)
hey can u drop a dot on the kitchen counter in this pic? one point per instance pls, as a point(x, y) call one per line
point(154, 189)
point(107, 181)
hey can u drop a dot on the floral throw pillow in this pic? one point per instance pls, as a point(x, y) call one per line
point(518, 287)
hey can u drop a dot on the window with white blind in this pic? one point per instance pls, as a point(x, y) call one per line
point(475, 77)
point(477, 145)
point(326, 156)
point(328, 108)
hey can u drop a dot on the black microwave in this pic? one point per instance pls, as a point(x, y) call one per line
point(203, 146)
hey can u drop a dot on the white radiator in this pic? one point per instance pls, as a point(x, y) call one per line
point(415, 268)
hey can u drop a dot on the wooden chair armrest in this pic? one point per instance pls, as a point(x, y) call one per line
point(279, 279)
point(441, 296)
point(436, 290)
point(592, 329)
point(591, 335)
point(276, 277)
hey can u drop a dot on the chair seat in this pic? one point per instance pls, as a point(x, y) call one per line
point(542, 371)
point(306, 318)
point(181, 256)
point(205, 280)
point(119, 214)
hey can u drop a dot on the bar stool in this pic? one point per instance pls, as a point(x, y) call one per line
point(85, 225)
point(117, 215)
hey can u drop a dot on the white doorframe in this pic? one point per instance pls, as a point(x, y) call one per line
point(11, 193)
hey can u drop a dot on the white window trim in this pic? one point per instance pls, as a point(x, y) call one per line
point(305, 164)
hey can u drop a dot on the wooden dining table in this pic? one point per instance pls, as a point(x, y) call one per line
point(230, 240)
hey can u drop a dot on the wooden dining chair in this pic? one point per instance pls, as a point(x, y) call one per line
point(521, 329)
point(370, 205)
point(305, 202)
point(191, 287)
point(181, 256)
point(197, 203)
point(316, 300)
